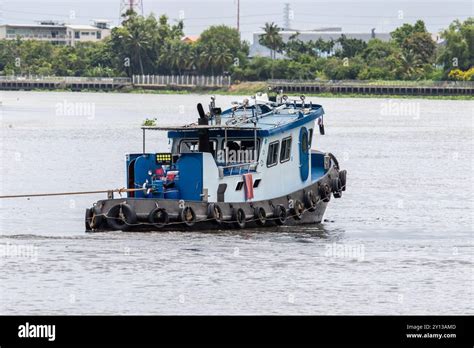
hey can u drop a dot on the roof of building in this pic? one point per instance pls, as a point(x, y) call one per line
point(55, 26)
point(34, 25)
point(81, 27)
point(190, 38)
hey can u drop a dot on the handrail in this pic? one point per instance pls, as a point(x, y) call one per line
point(238, 165)
point(64, 79)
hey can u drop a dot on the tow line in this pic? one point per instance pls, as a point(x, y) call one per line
point(109, 193)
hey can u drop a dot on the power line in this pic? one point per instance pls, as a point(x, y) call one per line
point(319, 15)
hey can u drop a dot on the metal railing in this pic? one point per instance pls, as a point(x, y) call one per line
point(65, 79)
point(237, 169)
point(373, 83)
point(182, 80)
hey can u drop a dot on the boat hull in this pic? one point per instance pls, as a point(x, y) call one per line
point(313, 211)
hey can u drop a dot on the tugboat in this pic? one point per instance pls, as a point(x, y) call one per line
point(248, 166)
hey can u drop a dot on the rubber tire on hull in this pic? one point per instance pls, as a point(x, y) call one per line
point(336, 187)
point(188, 216)
point(310, 200)
point(279, 215)
point(336, 184)
point(325, 192)
point(343, 178)
point(298, 209)
point(88, 219)
point(97, 219)
point(239, 218)
point(215, 212)
point(124, 222)
point(260, 216)
point(158, 217)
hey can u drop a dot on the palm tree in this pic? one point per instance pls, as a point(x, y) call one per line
point(137, 40)
point(272, 38)
point(411, 66)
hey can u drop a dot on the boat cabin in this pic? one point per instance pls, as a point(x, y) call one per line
point(255, 150)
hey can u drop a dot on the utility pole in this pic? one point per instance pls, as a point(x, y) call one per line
point(286, 16)
point(130, 5)
point(238, 16)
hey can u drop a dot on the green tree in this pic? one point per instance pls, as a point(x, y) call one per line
point(402, 33)
point(458, 50)
point(350, 47)
point(272, 39)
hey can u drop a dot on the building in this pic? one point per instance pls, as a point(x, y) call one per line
point(326, 34)
point(56, 33)
point(189, 39)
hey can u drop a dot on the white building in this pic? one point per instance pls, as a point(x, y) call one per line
point(56, 33)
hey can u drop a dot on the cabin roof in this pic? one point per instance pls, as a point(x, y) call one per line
point(240, 122)
point(194, 126)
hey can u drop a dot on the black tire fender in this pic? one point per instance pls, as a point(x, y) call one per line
point(325, 192)
point(239, 218)
point(298, 209)
point(188, 216)
point(279, 215)
point(343, 178)
point(121, 217)
point(88, 219)
point(158, 217)
point(336, 184)
point(260, 216)
point(215, 212)
point(311, 200)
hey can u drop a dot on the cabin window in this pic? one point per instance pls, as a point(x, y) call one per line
point(239, 186)
point(192, 145)
point(272, 158)
point(256, 183)
point(310, 136)
point(304, 143)
point(285, 150)
point(241, 151)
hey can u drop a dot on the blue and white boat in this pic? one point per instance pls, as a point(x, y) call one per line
point(250, 165)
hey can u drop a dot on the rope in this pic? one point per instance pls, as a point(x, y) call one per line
point(120, 191)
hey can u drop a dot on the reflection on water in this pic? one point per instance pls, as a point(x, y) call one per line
point(398, 242)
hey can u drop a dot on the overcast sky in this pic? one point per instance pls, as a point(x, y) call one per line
point(360, 16)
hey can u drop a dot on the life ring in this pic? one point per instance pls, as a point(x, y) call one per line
point(121, 217)
point(158, 217)
point(342, 177)
point(325, 192)
point(310, 200)
point(260, 216)
point(188, 216)
point(297, 210)
point(279, 215)
point(239, 218)
point(215, 212)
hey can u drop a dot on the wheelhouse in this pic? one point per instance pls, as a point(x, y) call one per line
point(211, 159)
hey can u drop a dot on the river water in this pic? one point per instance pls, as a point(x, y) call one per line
point(400, 241)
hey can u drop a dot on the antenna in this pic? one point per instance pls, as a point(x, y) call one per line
point(130, 5)
point(287, 16)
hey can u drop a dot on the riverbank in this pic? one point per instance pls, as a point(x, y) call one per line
point(252, 91)
point(217, 85)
